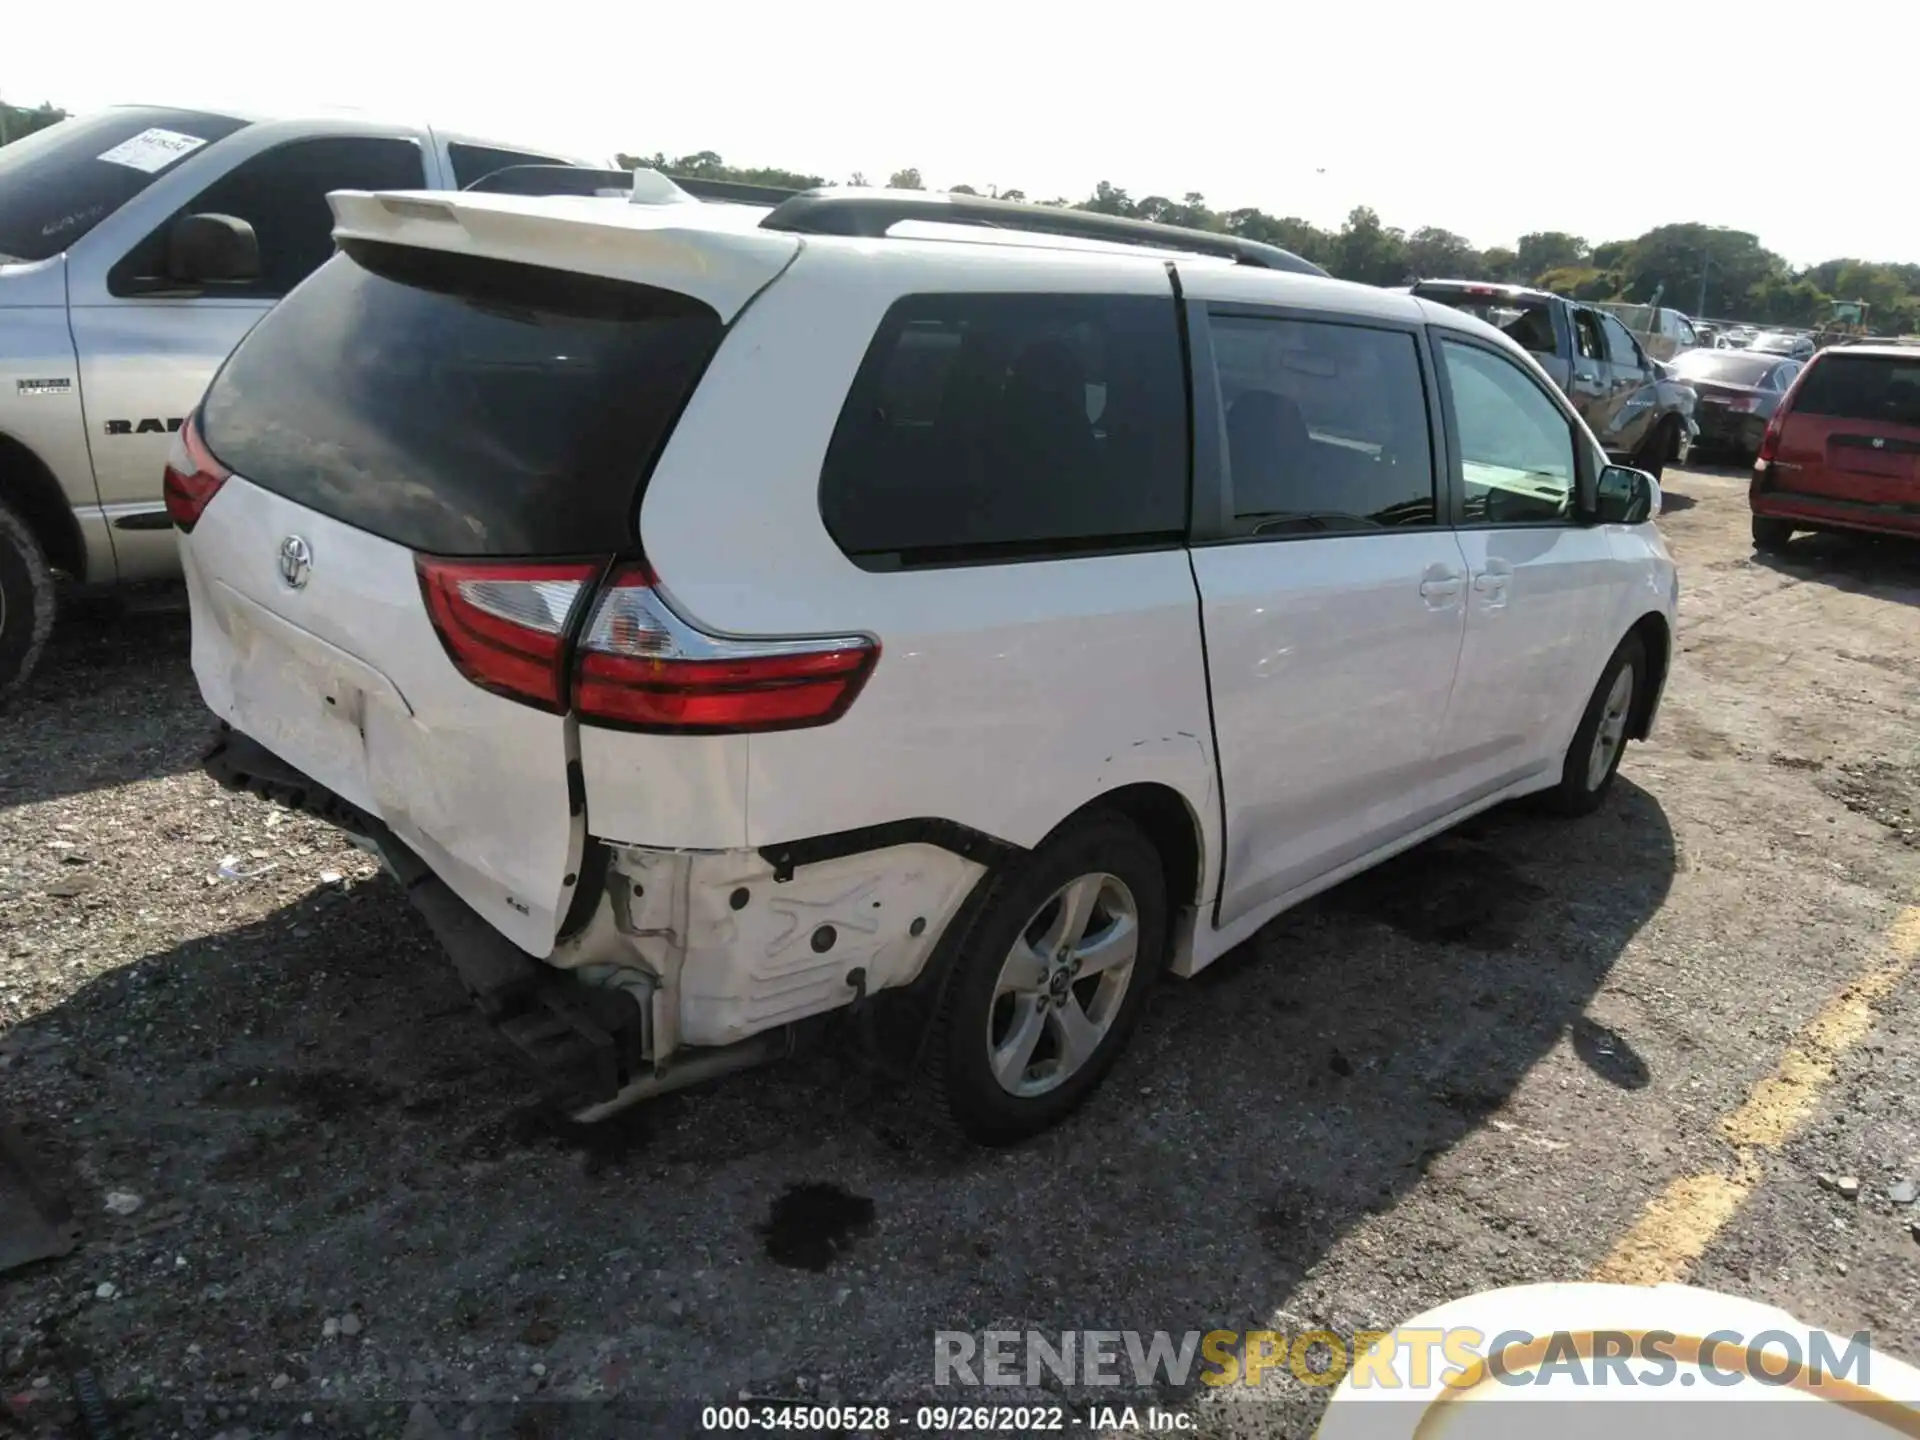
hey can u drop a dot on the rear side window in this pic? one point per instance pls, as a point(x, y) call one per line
point(462, 406)
point(1326, 425)
point(1011, 426)
point(1868, 388)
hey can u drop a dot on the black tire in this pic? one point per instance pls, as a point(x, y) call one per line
point(1771, 536)
point(1659, 447)
point(26, 602)
point(1579, 791)
point(956, 1067)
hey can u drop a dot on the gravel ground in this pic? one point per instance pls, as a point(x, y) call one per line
point(1473, 1067)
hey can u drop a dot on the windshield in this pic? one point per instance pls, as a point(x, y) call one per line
point(1729, 367)
point(58, 183)
point(1777, 344)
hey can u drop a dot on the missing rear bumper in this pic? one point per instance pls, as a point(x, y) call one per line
point(691, 964)
point(587, 1043)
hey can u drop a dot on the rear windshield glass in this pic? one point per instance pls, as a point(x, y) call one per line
point(1524, 319)
point(60, 182)
point(1867, 388)
point(462, 406)
point(1728, 367)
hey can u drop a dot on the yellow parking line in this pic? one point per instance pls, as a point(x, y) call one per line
point(1679, 1223)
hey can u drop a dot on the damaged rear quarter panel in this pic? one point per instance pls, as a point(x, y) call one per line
point(736, 952)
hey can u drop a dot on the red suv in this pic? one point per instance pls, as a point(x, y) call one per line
point(1843, 450)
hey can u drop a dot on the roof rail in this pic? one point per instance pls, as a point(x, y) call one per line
point(578, 180)
point(871, 213)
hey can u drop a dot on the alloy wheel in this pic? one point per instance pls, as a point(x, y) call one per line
point(1061, 987)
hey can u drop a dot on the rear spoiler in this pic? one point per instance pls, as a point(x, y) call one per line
point(538, 180)
point(871, 213)
point(722, 267)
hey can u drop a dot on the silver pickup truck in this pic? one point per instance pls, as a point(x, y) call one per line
point(126, 278)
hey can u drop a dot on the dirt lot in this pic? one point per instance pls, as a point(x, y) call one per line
point(1476, 1067)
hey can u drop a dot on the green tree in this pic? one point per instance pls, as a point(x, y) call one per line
point(907, 179)
point(1610, 256)
point(1581, 282)
point(1191, 211)
point(706, 165)
point(1368, 251)
point(1542, 250)
point(1289, 232)
point(1500, 263)
point(1108, 200)
point(1675, 258)
point(17, 121)
point(1436, 254)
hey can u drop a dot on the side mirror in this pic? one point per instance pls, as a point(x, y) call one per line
point(212, 250)
point(1621, 496)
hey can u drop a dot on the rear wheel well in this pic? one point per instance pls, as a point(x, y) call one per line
point(1656, 644)
point(29, 489)
point(1169, 823)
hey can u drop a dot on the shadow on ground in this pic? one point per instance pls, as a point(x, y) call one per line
point(112, 701)
point(1886, 567)
point(318, 1119)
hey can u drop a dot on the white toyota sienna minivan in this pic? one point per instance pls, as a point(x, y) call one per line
point(717, 617)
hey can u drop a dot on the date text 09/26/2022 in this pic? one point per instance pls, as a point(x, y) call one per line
point(942, 1419)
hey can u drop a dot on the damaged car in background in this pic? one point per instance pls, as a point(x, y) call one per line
point(1739, 391)
point(720, 619)
point(1642, 416)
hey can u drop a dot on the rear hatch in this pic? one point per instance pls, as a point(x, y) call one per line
point(401, 494)
point(1852, 430)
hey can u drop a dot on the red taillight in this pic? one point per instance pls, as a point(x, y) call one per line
point(193, 476)
point(505, 626)
point(1770, 441)
point(642, 667)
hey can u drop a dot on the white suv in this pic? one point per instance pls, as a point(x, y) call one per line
point(748, 615)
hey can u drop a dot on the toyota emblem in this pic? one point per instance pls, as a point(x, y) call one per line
point(296, 562)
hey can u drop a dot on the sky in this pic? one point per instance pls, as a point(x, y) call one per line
point(1487, 117)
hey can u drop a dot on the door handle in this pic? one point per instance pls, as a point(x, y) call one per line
point(1588, 375)
point(1440, 589)
point(1488, 581)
